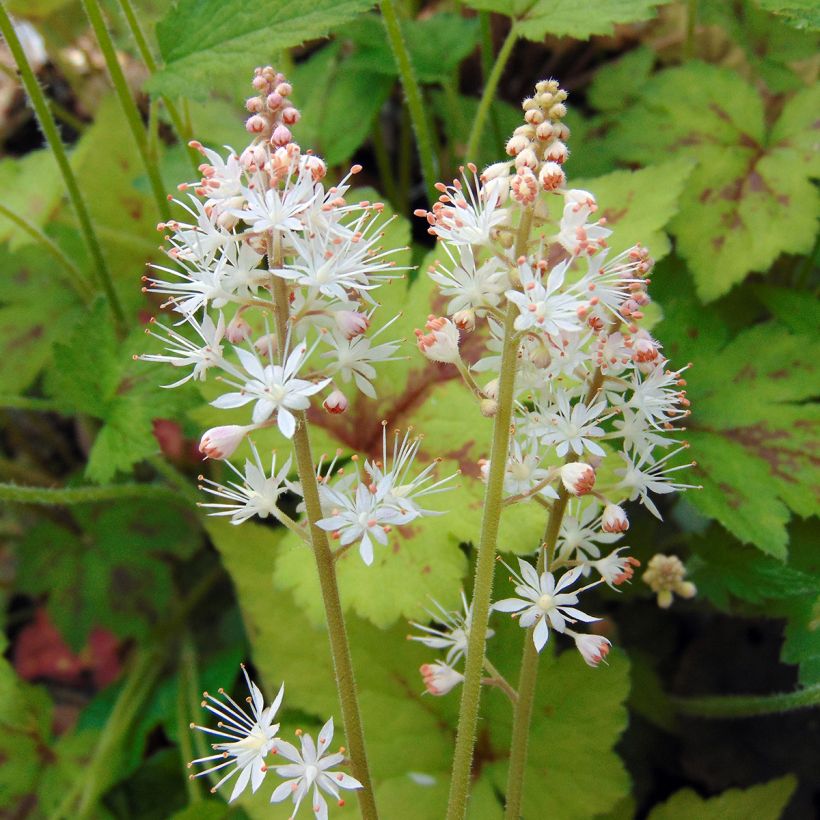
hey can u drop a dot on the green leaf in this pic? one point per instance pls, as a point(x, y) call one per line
point(750, 197)
point(579, 19)
point(802, 14)
point(198, 39)
point(764, 802)
point(639, 204)
point(119, 566)
point(751, 432)
point(616, 84)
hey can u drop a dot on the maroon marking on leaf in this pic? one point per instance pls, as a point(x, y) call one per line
point(704, 196)
point(747, 373)
point(733, 498)
point(467, 464)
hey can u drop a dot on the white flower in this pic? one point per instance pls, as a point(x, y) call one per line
point(455, 634)
point(182, 352)
point(573, 427)
point(581, 532)
point(439, 678)
point(541, 307)
point(576, 234)
point(309, 768)
point(637, 435)
point(440, 344)
point(469, 286)
point(641, 477)
point(272, 209)
point(257, 494)
point(250, 737)
point(274, 388)
point(542, 601)
point(615, 569)
point(196, 286)
point(658, 397)
point(593, 648)
point(524, 472)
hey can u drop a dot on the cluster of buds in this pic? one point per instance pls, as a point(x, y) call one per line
point(596, 404)
point(272, 285)
point(252, 740)
point(665, 576)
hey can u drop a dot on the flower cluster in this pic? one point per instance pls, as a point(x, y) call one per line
point(596, 404)
point(250, 737)
point(272, 283)
point(665, 576)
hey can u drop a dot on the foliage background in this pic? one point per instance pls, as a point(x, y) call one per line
point(696, 126)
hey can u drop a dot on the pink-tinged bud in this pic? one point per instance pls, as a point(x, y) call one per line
point(285, 89)
point(465, 319)
point(259, 82)
point(256, 124)
point(545, 131)
point(516, 144)
point(558, 111)
point(593, 648)
point(551, 176)
point(614, 519)
point(253, 105)
point(488, 407)
point(494, 171)
point(316, 166)
point(534, 116)
point(336, 402)
point(439, 678)
point(221, 442)
point(556, 152)
point(281, 136)
point(441, 343)
point(274, 101)
point(237, 330)
point(351, 323)
point(527, 159)
point(560, 131)
point(291, 115)
point(645, 348)
point(491, 389)
point(580, 199)
point(524, 187)
point(578, 478)
point(267, 345)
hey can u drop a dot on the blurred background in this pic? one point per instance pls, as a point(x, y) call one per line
point(696, 124)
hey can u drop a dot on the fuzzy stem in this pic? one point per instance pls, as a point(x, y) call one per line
point(412, 93)
point(385, 166)
point(528, 675)
point(325, 564)
point(485, 559)
point(129, 107)
point(60, 496)
point(498, 680)
point(489, 94)
point(52, 135)
point(183, 132)
point(741, 706)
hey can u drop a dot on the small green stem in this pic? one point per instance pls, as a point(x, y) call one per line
point(187, 661)
point(29, 403)
point(691, 24)
point(497, 679)
point(61, 496)
point(326, 567)
point(412, 93)
point(180, 126)
point(129, 106)
point(386, 172)
point(741, 706)
point(75, 278)
point(52, 135)
point(489, 94)
point(485, 559)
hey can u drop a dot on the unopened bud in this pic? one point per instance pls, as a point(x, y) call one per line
point(281, 136)
point(488, 407)
point(238, 330)
point(491, 389)
point(336, 402)
point(256, 124)
point(221, 442)
point(551, 176)
point(351, 323)
point(439, 678)
point(524, 187)
point(465, 319)
point(578, 478)
point(593, 648)
point(614, 519)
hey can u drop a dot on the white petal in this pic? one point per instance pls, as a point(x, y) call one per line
point(540, 634)
point(286, 422)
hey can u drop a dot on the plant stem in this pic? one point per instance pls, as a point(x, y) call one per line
point(60, 496)
point(75, 279)
point(185, 667)
point(29, 403)
point(412, 93)
point(485, 558)
point(52, 135)
point(183, 131)
point(488, 95)
point(386, 173)
point(741, 706)
point(691, 24)
point(528, 675)
point(129, 106)
point(325, 564)
point(497, 679)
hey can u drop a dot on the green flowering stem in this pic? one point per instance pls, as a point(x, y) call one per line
point(529, 674)
point(741, 706)
point(488, 95)
point(326, 566)
point(52, 136)
point(129, 106)
point(180, 126)
point(186, 672)
point(412, 93)
point(485, 558)
point(75, 278)
point(67, 496)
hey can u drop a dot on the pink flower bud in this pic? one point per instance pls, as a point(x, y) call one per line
point(551, 176)
point(281, 136)
point(578, 478)
point(614, 519)
point(285, 89)
point(238, 330)
point(256, 124)
point(491, 389)
point(221, 442)
point(593, 648)
point(441, 343)
point(516, 144)
point(291, 115)
point(439, 678)
point(253, 105)
point(524, 187)
point(336, 402)
point(351, 323)
point(545, 131)
point(556, 152)
point(274, 101)
point(465, 319)
point(527, 159)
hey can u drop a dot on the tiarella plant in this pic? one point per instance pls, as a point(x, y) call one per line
point(273, 286)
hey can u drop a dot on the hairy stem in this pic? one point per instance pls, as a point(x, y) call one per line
point(488, 95)
point(325, 564)
point(412, 93)
point(485, 559)
point(55, 143)
point(129, 106)
point(741, 706)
